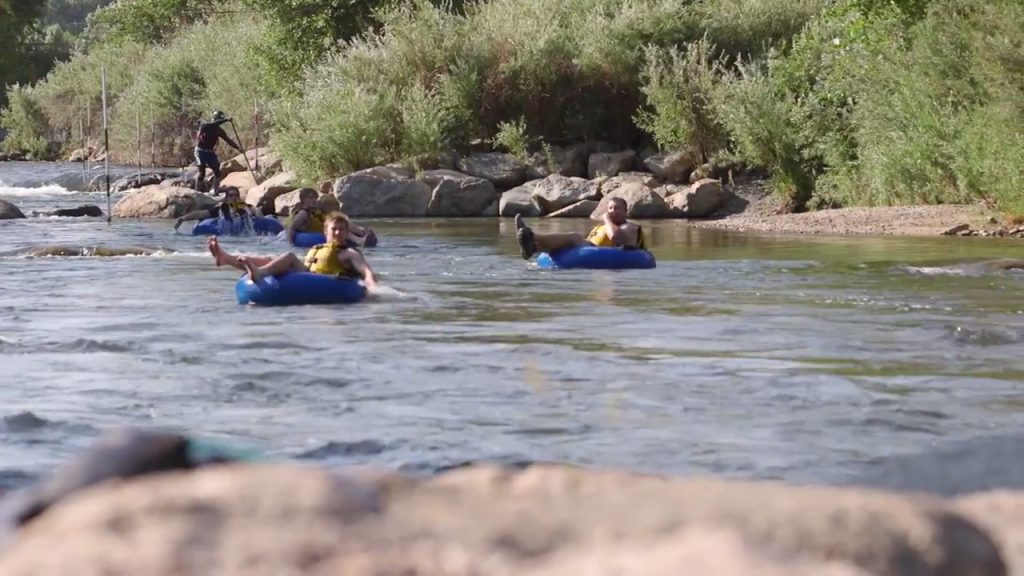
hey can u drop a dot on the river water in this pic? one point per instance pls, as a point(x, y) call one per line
point(808, 359)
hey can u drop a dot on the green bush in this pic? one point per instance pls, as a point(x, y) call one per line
point(71, 95)
point(679, 88)
point(25, 123)
point(764, 123)
point(182, 83)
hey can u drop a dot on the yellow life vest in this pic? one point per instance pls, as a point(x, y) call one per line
point(323, 259)
point(315, 222)
point(599, 237)
point(237, 206)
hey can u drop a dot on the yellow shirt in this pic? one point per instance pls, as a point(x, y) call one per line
point(599, 236)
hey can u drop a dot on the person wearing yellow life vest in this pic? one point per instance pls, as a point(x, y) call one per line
point(307, 216)
point(333, 258)
point(231, 206)
point(615, 231)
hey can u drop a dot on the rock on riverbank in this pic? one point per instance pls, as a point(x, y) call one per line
point(158, 201)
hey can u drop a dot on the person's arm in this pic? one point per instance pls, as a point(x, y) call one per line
point(228, 139)
point(613, 231)
point(362, 266)
point(298, 222)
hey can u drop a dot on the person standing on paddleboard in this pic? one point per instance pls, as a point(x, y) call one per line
point(207, 136)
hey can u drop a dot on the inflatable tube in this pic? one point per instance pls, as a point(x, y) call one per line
point(597, 258)
point(310, 239)
point(261, 225)
point(297, 288)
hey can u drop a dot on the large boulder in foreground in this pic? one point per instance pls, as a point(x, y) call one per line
point(161, 202)
point(641, 202)
point(260, 520)
point(365, 194)
point(455, 196)
point(9, 211)
point(503, 170)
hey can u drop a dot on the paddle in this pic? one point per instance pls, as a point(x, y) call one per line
point(244, 154)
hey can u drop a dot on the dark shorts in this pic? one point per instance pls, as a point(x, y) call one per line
point(208, 158)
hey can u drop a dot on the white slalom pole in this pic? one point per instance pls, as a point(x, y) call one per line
point(106, 138)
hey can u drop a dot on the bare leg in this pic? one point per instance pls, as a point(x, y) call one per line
point(215, 189)
point(531, 242)
point(220, 257)
point(556, 242)
point(287, 262)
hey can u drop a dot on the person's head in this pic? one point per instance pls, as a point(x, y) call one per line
point(617, 209)
point(308, 197)
point(336, 227)
point(219, 115)
point(231, 193)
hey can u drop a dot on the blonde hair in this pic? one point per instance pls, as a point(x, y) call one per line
point(333, 216)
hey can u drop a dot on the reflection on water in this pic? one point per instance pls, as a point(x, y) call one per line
point(743, 355)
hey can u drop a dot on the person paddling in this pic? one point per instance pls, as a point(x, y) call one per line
point(207, 136)
point(615, 231)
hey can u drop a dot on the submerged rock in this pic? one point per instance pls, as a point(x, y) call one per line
point(85, 210)
point(9, 211)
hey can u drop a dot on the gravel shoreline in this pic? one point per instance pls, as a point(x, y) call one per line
point(756, 212)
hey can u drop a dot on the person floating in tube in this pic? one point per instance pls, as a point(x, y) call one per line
point(334, 257)
point(229, 208)
point(307, 216)
point(615, 232)
point(207, 136)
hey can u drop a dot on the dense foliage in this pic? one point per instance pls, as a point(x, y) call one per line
point(841, 101)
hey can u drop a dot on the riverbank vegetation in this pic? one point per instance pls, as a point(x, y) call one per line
point(839, 102)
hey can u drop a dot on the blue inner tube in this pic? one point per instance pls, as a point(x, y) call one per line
point(309, 239)
point(595, 257)
point(261, 225)
point(297, 288)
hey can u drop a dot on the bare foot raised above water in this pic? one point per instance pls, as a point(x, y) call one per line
point(218, 253)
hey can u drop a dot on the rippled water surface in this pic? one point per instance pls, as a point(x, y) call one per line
point(803, 358)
